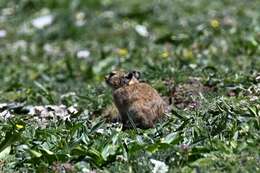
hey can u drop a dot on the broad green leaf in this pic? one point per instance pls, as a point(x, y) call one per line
point(170, 138)
point(11, 137)
point(5, 152)
point(108, 150)
point(47, 151)
point(35, 153)
point(96, 126)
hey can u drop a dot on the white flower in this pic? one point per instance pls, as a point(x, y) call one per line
point(159, 167)
point(2, 33)
point(80, 19)
point(141, 30)
point(48, 48)
point(80, 16)
point(42, 21)
point(83, 54)
point(254, 98)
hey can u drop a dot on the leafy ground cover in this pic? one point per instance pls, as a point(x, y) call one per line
point(203, 56)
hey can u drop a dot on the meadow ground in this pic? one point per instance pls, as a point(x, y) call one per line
point(202, 55)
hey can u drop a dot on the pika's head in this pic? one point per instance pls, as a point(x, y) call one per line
point(118, 79)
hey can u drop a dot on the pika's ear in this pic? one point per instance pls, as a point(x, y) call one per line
point(129, 75)
point(136, 74)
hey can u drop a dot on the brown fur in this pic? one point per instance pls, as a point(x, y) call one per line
point(139, 104)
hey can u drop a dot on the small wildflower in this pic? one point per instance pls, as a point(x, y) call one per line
point(122, 52)
point(214, 23)
point(80, 18)
point(187, 53)
point(19, 126)
point(42, 21)
point(159, 166)
point(80, 15)
point(193, 66)
point(165, 54)
point(2, 33)
point(83, 54)
point(141, 30)
point(184, 147)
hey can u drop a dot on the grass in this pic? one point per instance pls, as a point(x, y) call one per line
point(214, 43)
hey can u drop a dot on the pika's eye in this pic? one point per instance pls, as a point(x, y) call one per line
point(129, 76)
point(132, 74)
point(136, 74)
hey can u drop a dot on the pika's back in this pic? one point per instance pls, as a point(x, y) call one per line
point(141, 103)
point(139, 91)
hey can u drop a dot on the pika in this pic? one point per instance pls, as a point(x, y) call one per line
point(139, 104)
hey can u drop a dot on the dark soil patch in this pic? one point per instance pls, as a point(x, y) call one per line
point(188, 95)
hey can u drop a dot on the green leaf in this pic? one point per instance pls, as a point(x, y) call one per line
point(11, 137)
point(96, 126)
point(170, 138)
point(35, 153)
point(108, 151)
point(40, 86)
point(153, 148)
point(95, 156)
point(5, 152)
point(47, 151)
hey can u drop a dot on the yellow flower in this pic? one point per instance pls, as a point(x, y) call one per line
point(122, 52)
point(187, 53)
point(165, 54)
point(19, 126)
point(214, 23)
